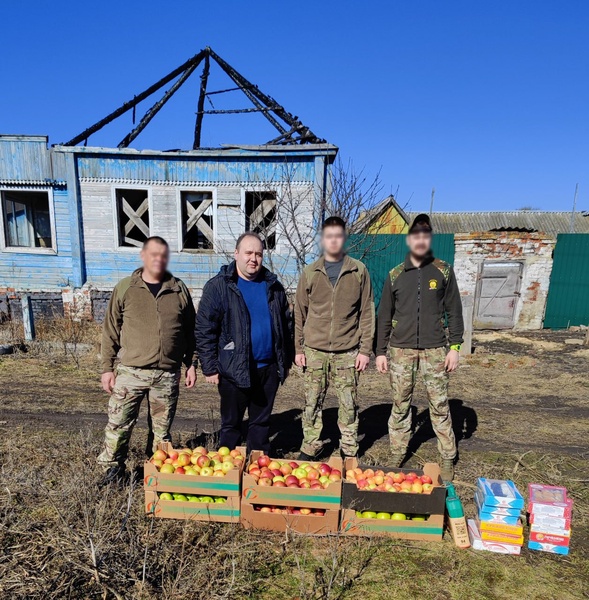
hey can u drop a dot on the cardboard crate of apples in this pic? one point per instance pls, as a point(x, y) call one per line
point(168, 505)
point(312, 521)
point(397, 525)
point(273, 482)
point(385, 489)
point(198, 472)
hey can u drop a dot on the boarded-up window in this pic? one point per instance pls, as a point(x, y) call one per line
point(27, 220)
point(260, 216)
point(133, 216)
point(197, 221)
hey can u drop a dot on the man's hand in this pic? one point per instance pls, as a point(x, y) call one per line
point(214, 379)
point(382, 365)
point(451, 362)
point(300, 360)
point(108, 382)
point(361, 362)
point(190, 376)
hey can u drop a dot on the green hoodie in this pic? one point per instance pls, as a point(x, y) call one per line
point(151, 332)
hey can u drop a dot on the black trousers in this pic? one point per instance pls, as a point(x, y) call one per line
point(258, 400)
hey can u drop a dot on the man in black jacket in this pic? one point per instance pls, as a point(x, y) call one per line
point(244, 342)
point(417, 297)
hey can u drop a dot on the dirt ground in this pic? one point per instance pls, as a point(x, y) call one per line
point(520, 410)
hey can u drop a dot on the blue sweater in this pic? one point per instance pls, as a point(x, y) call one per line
point(255, 295)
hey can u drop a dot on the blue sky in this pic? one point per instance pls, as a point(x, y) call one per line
point(485, 101)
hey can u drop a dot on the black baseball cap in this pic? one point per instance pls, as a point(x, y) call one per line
point(421, 224)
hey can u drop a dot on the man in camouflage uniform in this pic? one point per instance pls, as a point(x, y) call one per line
point(334, 328)
point(150, 320)
point(417, 297)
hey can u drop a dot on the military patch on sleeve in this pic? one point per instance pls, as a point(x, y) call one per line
point(443, 267)
point(394, 273)
point(433, 284)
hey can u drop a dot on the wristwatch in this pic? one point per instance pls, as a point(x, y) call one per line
point(456, 347)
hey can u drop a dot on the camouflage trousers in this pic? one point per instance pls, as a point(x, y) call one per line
point(132, 385)
point(339, 368)
point(405, 363)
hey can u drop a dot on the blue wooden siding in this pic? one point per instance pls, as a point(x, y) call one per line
point(206, 169)
point(25, 159)
point(42, 271)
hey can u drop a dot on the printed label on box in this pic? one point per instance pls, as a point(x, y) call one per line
point(553, 549)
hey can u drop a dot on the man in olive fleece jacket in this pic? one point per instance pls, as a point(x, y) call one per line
point(150, 319)
point(417, 297)
point(334, 330)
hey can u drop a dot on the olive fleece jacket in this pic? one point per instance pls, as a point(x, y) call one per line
point(151, 332)
point(335, 318)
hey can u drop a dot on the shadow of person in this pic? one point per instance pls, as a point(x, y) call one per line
point(464, 424)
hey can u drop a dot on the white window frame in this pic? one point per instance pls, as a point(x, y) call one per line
point(180, 219)
point(116, 220)
point(4, 247)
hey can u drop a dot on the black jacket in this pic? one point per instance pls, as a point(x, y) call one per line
point(222, 329)
point(414, 304)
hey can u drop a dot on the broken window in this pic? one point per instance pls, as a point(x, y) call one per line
point(197, 221)
point(133, 216)
point(27, 219)
point(260, 216)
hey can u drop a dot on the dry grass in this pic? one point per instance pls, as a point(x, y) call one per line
point(62, 538)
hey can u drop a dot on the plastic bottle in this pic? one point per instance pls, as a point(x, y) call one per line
point(456, 518)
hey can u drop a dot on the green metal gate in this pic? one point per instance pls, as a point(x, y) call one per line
point(382, 252)
point(568, 294)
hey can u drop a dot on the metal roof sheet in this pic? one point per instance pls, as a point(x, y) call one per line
point(551, 223)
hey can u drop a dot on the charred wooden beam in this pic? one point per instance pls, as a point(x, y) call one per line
point(136, 99)
point(305, 133)
point(204, 78)
point(148, 116)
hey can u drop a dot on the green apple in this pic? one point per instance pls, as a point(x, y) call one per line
point(418, 518)
point(399, 516)
point(206, 499)
point(220, 500)
point(383, 515)
point(180, 498)
point(369, 514)
point(193, 499)
point(166, 496)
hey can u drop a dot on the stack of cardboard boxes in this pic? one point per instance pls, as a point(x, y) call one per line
point(549, 515)
point(498, 526)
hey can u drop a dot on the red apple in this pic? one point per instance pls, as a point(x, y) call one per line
point(290, 479)
point(173, 454)
point(304, 484)
point(335, 475)
point(406, 486)
point(417, 487)
point(286, 469)
point(324, 469)
point(203, 461)
point(362, 483)
point(180, 471)
point(264, 481)
point(293, 485)
point(264, 461)
point(399, 477)
point(160, 455)
point(313, 474)
point(316, 485)
point(426, 479)
point(279, 484)
point(274, 465)
point(293, 465)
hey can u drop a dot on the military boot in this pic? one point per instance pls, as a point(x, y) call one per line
point(447, 469)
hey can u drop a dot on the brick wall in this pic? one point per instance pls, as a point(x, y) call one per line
point(533, 250)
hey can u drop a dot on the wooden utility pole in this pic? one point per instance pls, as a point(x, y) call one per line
point(431, 202)
point(572, 228)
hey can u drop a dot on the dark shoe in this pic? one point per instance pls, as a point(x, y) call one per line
point(397, 460)
point(114, 475)
point(344, 455)
point(305, 457)
point(447, 469)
